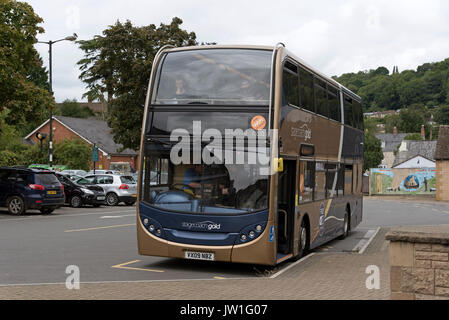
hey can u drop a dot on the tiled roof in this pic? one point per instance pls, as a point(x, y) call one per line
point(424, 149)
point(392, 142)
point(95, 131)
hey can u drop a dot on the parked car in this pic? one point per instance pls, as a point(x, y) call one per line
point(80, 173)
point(77, 195)
point(118, 188)
point(24, 189)
point(91, 172)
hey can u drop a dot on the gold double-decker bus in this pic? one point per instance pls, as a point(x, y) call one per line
point(248, 155)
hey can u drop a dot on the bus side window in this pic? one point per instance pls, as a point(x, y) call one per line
point(341, 181)
point(358, 115)
point(331, 171)
point(307, 92)
point(349, 120)
point(291, 84)
point(334, 103)
point(320, 181)
point(307, 181)
point(348, 179)
point(321, 98)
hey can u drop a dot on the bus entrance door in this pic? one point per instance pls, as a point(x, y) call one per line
point(286, 207)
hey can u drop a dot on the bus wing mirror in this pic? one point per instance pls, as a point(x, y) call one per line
point(279, 164)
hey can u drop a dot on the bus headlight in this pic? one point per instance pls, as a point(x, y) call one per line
point(152, 228)
point(252, 234)
point(243, 237)
point(146, 221)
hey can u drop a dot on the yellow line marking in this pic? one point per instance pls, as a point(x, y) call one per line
point(220, 278)
point(99, 228)
point(123, 266)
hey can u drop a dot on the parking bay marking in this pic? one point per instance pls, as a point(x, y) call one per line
point(126, 264)
point(99, 228)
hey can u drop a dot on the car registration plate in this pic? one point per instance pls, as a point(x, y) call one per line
point(51, 192)
point(199, 256)
point(101, 198)
point(134, 195)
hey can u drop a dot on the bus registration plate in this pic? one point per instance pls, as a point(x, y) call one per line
point(199, 256)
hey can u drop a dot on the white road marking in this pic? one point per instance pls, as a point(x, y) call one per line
point(367, 239)
point(292, 265)
point(117, 217)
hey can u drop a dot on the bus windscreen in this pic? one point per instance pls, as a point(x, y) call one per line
point(219, 77)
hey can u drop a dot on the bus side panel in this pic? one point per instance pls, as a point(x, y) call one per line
point(261, 251)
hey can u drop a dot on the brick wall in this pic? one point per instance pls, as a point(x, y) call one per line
point(418, 271)
point(442, 176)
point(60, 133)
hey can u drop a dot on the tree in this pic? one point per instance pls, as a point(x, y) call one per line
point(71, 108)
point(373, 151)
point(442, 115)
point(21, 71)
point(118, 64)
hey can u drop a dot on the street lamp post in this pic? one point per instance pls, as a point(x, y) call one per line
point(50, 67)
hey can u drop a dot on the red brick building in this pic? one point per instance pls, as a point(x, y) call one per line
point(90, 131)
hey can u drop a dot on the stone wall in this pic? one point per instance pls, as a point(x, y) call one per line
point(419, 263)
point(442, 176)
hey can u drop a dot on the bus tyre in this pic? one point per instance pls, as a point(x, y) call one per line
point(303, 244)
point(16, 206)
point(346, 227)
point(112, 199)
point(76, 202)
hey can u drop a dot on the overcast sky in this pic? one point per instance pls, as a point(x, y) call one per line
point(335, 36)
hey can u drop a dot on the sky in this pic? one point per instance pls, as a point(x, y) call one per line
point(334, 36)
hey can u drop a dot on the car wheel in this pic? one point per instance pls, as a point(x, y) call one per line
point(16, 206)
point(112, 199)
point(47, 210)
point(76, 202)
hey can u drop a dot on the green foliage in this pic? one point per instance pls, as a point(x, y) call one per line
point(442, 115)
point(73, 153)
point(428, 85)
point(9, 158)
point(118, 64)
point(373, 151)
point(71, 108)
point(22, 77)
point(413, 137)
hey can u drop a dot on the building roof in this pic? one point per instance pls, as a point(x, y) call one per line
point(92, 131)
point(413, 148)
point(392, 141)
point(442, 149)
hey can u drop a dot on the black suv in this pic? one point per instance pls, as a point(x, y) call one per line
point(23, 189)
point(77, 195)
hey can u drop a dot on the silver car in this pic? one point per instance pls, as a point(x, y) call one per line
point(118, 188)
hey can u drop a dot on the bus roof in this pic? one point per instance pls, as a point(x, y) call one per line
point(269, 48)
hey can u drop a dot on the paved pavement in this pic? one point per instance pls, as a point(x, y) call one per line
point(334, 271)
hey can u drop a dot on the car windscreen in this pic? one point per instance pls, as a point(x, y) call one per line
point(45, 179)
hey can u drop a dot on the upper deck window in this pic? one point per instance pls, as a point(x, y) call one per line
point(215, 76)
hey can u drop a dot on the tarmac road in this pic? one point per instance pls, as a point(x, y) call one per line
point(36, 249)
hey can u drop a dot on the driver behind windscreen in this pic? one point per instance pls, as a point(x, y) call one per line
point(213, 177)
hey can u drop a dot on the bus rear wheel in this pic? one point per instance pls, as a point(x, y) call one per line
point(346, 226)
point(303, 243)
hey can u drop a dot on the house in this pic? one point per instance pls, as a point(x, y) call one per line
point(415, 154)
point(91, 131)
point(442, 164)
point(390, 143)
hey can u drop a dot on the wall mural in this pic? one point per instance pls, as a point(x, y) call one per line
point(403, 181)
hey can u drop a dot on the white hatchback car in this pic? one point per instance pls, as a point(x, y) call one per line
point(118, 188)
